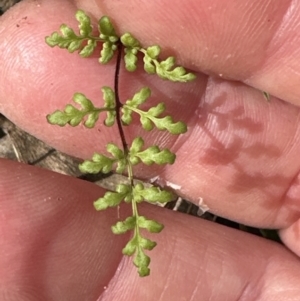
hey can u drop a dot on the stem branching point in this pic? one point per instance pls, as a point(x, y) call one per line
point(117, 113)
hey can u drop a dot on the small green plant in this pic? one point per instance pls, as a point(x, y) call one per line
point(122, 158)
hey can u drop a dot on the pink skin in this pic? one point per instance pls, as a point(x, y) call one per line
point(241, 154)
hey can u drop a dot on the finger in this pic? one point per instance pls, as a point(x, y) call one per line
point(241, 157)
point(230, 156)
point(56, 247)
point(49, 68)
point(255, 42)
point(290, 237)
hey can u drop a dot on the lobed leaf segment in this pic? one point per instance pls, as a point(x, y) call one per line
point(122, 159)
point(86, 42)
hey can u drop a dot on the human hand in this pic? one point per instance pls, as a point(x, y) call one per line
point(240, 155)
